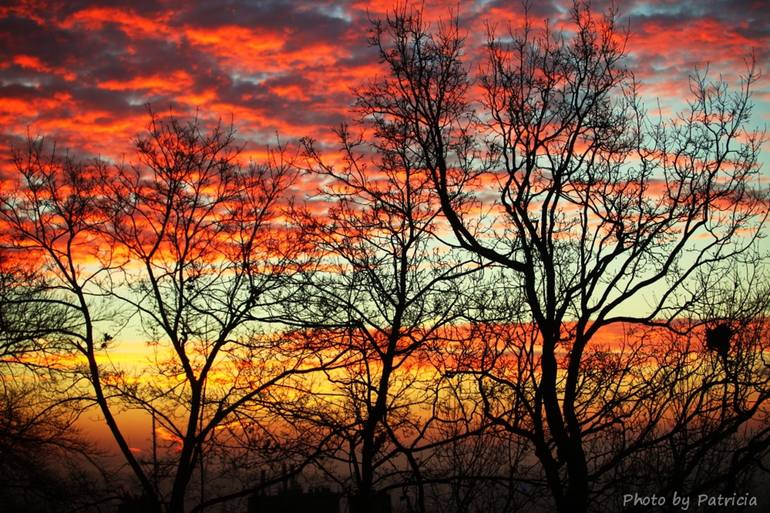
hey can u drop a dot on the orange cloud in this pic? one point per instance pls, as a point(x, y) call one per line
point(134, 25)
point(175, 81)
point(291, 71)
point(35, 64)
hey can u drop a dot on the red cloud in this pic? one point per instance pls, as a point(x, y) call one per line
point(83, 75)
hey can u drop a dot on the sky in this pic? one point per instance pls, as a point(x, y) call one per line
point(82, 73)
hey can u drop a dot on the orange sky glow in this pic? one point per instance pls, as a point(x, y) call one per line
point(82, 75)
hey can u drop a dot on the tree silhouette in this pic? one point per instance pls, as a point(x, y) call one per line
point(185, 240)
point(513, 288)
point(385, 290)
point(37, 412)
point(606, 216)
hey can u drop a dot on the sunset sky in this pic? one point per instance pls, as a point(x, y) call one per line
point(82, 72)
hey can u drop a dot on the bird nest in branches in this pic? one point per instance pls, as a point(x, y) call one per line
point(718, 337)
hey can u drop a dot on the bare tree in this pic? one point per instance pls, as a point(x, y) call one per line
point(449, 293)
point(384, 290)
point(605, 215)
point(45, 462)
point(186, 241)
